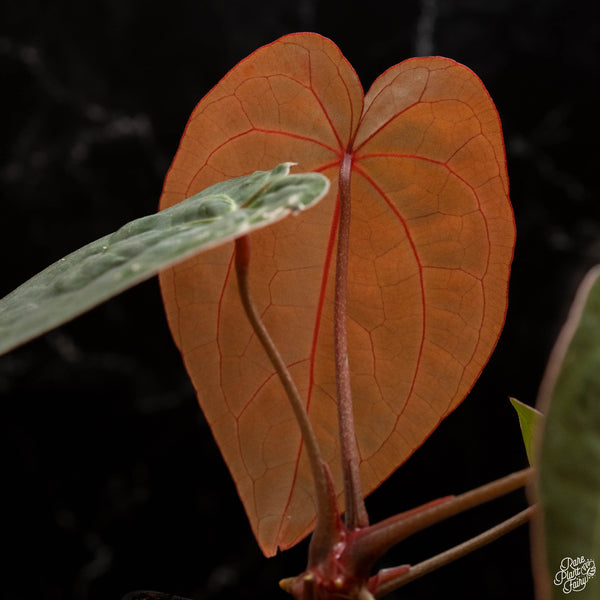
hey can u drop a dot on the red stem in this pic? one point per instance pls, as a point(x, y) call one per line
point(371, 543)
point(444, 558)
point(356, 513)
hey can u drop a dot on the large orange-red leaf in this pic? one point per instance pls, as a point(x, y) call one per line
point(431, 243)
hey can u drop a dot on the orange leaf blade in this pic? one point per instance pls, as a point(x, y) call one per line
point(431, 244)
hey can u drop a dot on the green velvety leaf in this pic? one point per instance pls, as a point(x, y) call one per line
point(569, 465)
point(528, 419)
point(142, 247)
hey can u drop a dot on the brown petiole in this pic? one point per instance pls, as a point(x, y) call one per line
point(328, 522)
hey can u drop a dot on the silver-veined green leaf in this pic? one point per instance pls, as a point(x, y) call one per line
point(139, 249)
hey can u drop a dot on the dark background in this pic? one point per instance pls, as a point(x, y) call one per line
point(111, 480)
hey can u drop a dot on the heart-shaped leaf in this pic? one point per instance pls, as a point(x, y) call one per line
point(431, 243)
point(140, 248)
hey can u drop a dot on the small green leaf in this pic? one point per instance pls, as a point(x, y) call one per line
point(142, 247)
point(569, 459)
point(528, 419)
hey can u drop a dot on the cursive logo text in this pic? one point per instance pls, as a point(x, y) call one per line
point(574, 573)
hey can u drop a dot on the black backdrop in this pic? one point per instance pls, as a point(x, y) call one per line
point(111, 480)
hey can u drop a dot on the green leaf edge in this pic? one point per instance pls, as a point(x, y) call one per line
point(568, 474)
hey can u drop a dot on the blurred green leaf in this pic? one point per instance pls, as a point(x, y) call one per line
point(528, 419)
point(138, 250)
point(569, 465)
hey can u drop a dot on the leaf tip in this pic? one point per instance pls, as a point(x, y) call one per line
point(528, 420)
